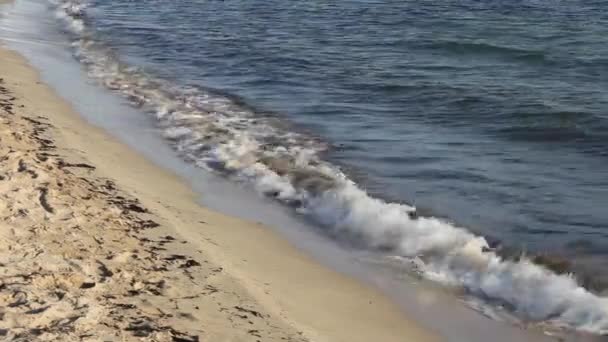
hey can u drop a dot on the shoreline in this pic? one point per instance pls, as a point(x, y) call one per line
point(119, 114)
point(280, 287)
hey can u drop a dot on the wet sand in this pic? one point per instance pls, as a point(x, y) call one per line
point(98, 243)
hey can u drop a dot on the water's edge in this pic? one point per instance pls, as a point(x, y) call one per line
point(318, 191)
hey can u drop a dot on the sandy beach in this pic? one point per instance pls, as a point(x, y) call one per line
point(99, 244)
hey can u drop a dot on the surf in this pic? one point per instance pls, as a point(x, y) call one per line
point(223, 136)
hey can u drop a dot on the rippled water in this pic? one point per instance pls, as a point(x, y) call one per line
point(491, 115)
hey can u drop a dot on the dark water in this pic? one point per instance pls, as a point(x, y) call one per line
point(493, 114)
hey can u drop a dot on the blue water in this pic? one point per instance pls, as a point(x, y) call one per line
point(487, 119)
point(492, 114)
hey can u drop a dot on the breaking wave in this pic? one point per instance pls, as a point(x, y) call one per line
point(221, 135)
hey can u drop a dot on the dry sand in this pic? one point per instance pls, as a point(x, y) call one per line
point(99, 244)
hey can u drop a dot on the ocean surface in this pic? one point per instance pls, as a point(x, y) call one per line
point(469, 139)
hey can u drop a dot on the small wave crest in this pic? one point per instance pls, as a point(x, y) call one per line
point(221, 135)
point(486, 49)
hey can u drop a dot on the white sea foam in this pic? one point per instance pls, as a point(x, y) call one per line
point(219, 135)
